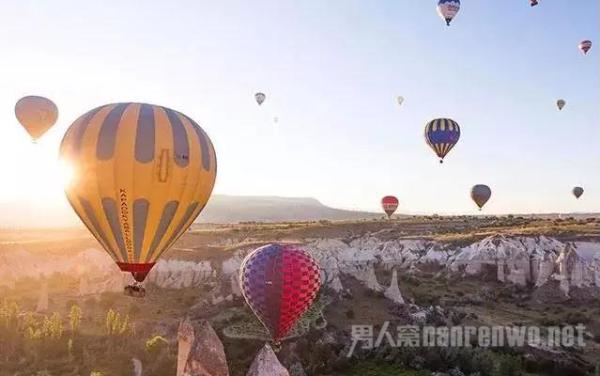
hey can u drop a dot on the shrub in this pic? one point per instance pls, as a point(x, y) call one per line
point(155, 344)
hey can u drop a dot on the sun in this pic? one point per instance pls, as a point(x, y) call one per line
point(65, 173)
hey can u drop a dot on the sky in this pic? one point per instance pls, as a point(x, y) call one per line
point(331, 71)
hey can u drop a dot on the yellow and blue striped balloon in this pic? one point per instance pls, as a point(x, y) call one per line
point(142, 174)
point(441, 135)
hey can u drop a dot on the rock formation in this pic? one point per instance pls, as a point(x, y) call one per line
point(267, 364)
point(521, 260)
point(137, 367)
point(393, 292)
point(200, 352)
point(42, 304)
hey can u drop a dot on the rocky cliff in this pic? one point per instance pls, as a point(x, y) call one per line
point(519, 260)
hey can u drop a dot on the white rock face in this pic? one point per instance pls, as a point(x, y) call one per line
point(177, 274)
point(393, 292)
point(520, 260)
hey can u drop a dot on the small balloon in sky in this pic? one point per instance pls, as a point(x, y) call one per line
point(36, 114)
point(560, 104)
point(447, 9)
point(400, 100)
point(389, 205)
point(480, 194)
point(533, 2)
point(577, 192)
point(584, 46)
point(260, 98)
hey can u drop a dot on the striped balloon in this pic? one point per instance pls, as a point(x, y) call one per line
point(142, 174)
point(441, 135)
point(389, 205)
point(279, 283)
point(447, 9)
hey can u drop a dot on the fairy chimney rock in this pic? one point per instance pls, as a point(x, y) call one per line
point(201, 352)
point(267, 364)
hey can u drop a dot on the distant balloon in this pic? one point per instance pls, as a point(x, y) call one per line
point(585, 46)
point(481, 193)
point(389, 205)
point(280, 283)
point(400, 99)
point(577, 192)
point(560, 104)
point(447, 9)
point(441, 135)
point(260, 98)
point(533, 2)
point(36, 115)
point(142, 174)
point(276, 119)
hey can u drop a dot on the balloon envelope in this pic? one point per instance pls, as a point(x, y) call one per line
point(260, 98)
point(447, 9)
point(560, 104)
point(441, 135)
point(577, 192)
point(585, 46)
point(36, 114)
point(279, 283)
point(481, 193)
point(533, 2)
point(389, 205)
point(400, 100)
point(142, 174)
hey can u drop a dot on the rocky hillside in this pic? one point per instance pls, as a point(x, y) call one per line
point(373, 272)
point(233, 209)
point(519, 260)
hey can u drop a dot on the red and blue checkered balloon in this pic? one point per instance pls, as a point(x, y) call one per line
point(280, 283)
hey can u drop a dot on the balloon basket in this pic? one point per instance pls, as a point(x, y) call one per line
point(276, 346)
point(135, 290)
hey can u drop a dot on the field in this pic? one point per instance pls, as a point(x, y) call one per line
point(105, 331)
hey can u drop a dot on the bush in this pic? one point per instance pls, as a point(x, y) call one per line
point(574, 318)
point(509, 365)
point(156, 344)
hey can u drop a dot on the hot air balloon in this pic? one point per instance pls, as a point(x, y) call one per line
point(577, 192)
point(36, 115)
point(142, 174)
point(480, 193)
point(441, 135)
point(279, 283)
point(389, 205)
point(400, 100)
point(560, 104)
point(447, 9)
point(260, 98)
point(585, 46)
point(533, 2)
